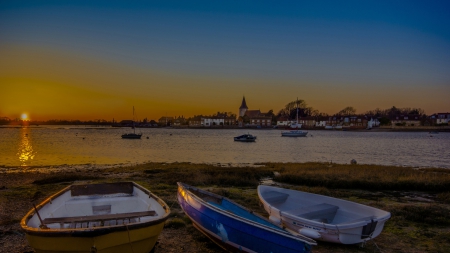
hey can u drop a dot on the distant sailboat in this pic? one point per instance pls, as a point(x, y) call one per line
point(296, 125)
point(133, 135)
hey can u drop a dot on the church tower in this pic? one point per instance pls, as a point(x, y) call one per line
point(243, 108)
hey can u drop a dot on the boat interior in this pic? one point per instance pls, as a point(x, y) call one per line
point(230, 207)
point(96, 206)
point(315, 209)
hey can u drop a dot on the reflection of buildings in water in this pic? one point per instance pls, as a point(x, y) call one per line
point(25, 152)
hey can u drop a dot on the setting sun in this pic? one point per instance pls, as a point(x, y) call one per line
point(24, 116)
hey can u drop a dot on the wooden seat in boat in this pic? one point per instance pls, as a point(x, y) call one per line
point(103, 217)
point(316, 211)
point(274, 197)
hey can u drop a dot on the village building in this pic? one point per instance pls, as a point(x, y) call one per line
point(178, 121)
point(373, 122)
point(321, 122)
point(353, 121)
point(220, 119)
point(283, 121)
point(195, 121)
point(165, 121)
point(212, 121)
point(257, 118)
point(253, 117)
point(443, 118)
point(406, 120)
point(339, 122)
point(307, 122)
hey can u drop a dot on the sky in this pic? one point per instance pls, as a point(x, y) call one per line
point(93, 60)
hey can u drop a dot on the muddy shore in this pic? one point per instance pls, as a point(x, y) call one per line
point(420, 218)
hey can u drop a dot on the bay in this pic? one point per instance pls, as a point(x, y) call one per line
point(75, 145)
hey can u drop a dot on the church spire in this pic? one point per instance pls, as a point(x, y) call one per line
point(244, 104)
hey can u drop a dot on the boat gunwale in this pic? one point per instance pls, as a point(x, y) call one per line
point(283, 232)
point(343, 225)
point(93, 231)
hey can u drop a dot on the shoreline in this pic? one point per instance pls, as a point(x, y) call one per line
point(420, 219)
point(443, 129)
point(4, 169)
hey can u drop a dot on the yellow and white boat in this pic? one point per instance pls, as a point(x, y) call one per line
point(102, 218)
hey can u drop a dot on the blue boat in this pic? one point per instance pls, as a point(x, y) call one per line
point(235, 228)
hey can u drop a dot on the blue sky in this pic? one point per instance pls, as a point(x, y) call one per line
point(313, 48)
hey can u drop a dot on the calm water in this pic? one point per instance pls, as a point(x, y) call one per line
point(44, 146)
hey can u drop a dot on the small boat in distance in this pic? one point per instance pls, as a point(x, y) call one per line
point(245, 138)
point(132, 135)
point(295, 126)
point(110, 217)
point(321, 217)
point(235, 228)
point(294, 133)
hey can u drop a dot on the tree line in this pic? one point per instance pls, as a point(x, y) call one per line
point(290, 111)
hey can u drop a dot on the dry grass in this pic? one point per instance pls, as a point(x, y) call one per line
point(367, 177)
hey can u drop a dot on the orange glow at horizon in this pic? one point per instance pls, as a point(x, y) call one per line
point(64, 86)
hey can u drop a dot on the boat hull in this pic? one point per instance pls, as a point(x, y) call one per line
point(244, 140)
point(352, 231)
point(139, 240)
point(131, 136)
point(121, 220)
point(234, 234)
point(294, 134)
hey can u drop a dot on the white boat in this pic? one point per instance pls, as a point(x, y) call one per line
point(321, 217)
point(112, 217)
point(294, 126)
point(245, 138)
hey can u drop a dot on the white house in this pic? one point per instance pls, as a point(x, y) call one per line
point(322, 122)
point(373, 122)
point(443, 118)
point(283, 121)
point(212, 121)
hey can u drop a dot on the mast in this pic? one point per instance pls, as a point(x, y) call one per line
point(134, 129)
point(297, 111)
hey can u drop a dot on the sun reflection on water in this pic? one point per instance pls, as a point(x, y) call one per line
point(25, 153)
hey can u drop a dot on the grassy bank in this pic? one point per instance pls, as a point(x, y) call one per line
point(418, 199)
point(368, 177)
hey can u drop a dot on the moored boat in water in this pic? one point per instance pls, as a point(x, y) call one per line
point(234, 227)
point(245, 138)
point(322, 217)
point(132, 135)
point(110, 217)
point(294, 132)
